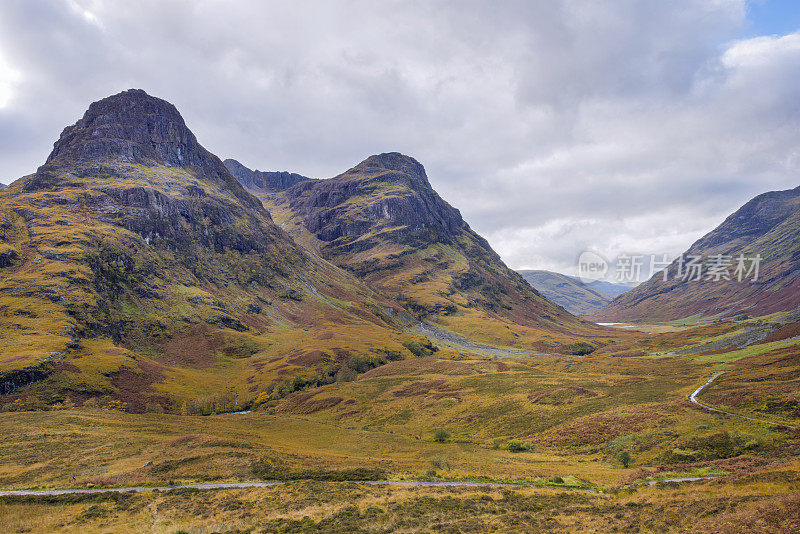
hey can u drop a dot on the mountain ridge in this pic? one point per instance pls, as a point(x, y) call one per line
point(138, 267)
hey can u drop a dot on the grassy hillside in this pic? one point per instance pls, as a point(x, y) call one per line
point(555, 428)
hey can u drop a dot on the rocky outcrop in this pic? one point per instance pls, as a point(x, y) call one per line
point(134, 127)
point(263, 180)
point(393, 193)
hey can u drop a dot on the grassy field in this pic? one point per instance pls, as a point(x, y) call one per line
point(560, 427)
point(767, 502)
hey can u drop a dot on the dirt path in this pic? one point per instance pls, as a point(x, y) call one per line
point(135, 489)
point(695, 393)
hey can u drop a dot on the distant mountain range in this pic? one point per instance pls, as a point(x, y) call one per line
point(768, 228)
point(575, 296)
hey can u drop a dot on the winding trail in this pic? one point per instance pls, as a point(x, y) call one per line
point(695, 393)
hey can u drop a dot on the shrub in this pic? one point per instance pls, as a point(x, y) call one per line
point(441, 462)
point(580, 349)
point(441, 435)
point(154, 408)
point(517, 445)
point(624, 457)
point(421, 349)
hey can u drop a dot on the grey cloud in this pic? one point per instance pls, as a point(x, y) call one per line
point(554, 127)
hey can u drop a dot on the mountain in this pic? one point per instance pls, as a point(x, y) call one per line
point(609, 289)
point(769, 226)
point(134, 266)
point(382, 221)
point(566, 291)
point(263, 181)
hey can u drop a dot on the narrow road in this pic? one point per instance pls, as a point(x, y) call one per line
point(135, 489)
point(237, 485)
point(695, 393)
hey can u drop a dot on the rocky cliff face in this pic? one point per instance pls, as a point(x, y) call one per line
point(387, 194)
point(135, 128)
point(264, 181)
point(769, 226)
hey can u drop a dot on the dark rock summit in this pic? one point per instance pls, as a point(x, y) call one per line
point(133, 127)
point(136, 128)
point(395, 197)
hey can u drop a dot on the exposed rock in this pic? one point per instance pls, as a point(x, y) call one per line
point(396, 194)
point(134, 127)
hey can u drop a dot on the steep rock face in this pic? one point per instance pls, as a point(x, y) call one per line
point(769, 226)
point(132, 127)
point(263, 180)
point(386, 194)
point(135, 128)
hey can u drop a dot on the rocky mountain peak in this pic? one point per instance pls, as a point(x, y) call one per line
point(392, 161)
point(131, 127)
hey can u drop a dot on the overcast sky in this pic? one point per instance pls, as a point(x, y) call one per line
point(618, 126)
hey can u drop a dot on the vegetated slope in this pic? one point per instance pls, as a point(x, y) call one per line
point(134, 266)
point(382, 221)
point(768, 225)
point(566, 291)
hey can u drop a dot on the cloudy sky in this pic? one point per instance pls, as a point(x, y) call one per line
point(618, 126)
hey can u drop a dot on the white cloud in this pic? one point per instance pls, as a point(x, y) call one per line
point(9, 77)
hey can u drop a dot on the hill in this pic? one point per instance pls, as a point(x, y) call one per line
point(135, 268)
point(570, 293)
point(382, 221)
point(768, 227)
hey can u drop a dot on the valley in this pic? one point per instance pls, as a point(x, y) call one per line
point(258, 351)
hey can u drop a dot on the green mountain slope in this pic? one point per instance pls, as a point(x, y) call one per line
point(769, 226)
point(566, 291)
